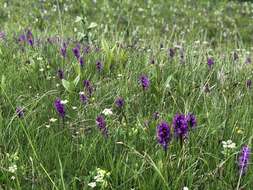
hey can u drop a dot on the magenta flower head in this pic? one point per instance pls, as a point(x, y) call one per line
point(60, 108)
point(191, 120)
point(249, 83)
point(180, 126)
point(20, 112)
point(99, 66)
point(119, 102)
point(244, 159)
point(64, 50)
point(144, 81)
point(210, 62)
point(76, 51)
point(88, 86)
point(60, 74)
point(100, 121)
point(163, 134)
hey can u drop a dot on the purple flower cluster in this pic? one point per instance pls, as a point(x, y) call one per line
point(182, 123)
point(144, 81)
point(119, 102)
point(28, 37)
point(210, 62)
point(163, 134)
point(60, 108)
point(100, 121)
point(180, 126)
point(244, 159)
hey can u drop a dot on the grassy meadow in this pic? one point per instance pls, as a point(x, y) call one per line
point(126, 94)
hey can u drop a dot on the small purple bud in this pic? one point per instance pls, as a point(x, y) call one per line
point(81, 61)
point(64, 50)
point(60, 74)
point(76, 51)
point(249, 83)
point(210, 62)
point(119, 102)
point(88, 86)
point(99, 66)
point(29, 37)
point(156, 115)
point(100, 121)
point(83, 98)
point(20, 112)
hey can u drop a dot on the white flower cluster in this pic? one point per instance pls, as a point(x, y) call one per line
point(100, 179)
point(228, 146)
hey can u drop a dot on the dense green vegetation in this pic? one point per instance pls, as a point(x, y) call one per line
point(162, 57)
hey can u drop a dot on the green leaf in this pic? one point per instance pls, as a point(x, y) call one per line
point(167, 83)
point(92, 25)
point(76, 80)
point(67, 85)
point(3, 82)
point(77, 68)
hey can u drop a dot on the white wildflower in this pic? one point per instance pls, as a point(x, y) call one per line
point(92, 184)
point(64, 101)
point(52, 120)
point(13, 168)
point(107, 111)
